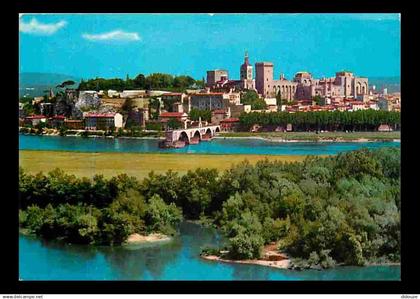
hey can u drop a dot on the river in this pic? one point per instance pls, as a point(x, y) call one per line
point(216, 146)
point(176, 260)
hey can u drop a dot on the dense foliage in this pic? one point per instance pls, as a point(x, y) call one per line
point(152, 81)
point(250, 97)
point(342, 209)
point(174, 124)
point(361, 120)
point(154, 126)
point(98, 211)
point(195, 114)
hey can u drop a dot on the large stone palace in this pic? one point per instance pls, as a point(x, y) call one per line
point(303, 86)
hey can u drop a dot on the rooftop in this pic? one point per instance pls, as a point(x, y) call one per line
point(36, 117)
point(264, 63)
point(219, 111)
point(217, 70)
point(230, 120)
point(99, 114)
point(172, 114)
point(172, 94)
point(208, 94)
point(73, 120)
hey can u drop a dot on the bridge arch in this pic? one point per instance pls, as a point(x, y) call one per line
point(183, 136)
point(197, 135)
point(208, 132)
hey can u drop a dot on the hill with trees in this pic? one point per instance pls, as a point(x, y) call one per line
point(153, 81)
point(36, 84)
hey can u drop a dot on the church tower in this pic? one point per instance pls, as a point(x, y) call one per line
point(246, 69)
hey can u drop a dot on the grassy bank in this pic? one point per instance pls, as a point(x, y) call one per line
point(312, 136)
point(133, 164)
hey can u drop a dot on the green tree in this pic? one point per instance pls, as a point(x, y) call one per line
point(317, 99)
point(139, 81)
point(183, 82)
point(279, 100)
point(195, 114)
point(250, 97)
point(174, 124)
point(162, 217)
point(245, 237)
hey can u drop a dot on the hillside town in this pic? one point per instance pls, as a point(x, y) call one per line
point(221, 101)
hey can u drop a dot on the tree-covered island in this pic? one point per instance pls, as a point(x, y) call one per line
point(338, 210)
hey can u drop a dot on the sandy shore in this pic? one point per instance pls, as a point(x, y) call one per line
point(271, 258)
point(283, 264)
point(140, 239)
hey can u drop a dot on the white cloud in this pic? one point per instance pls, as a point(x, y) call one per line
point(36, 27)
point(117, 35)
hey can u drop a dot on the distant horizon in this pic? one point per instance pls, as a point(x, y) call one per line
point(114, 45)
point(132, 77)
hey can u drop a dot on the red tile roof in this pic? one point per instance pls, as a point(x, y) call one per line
point(171, 114)
point(36, 117)
point(219, 111)
point(73, 120)
point(208, 94)
point(230, 120)
point(100, 115)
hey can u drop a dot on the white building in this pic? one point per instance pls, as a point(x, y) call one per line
point(132, 93)
point(113, 93)
point(103, 121)
point(356, 105)
point(233, 97)
point(270, 101)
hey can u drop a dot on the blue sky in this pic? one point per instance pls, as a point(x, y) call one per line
point(114, 45)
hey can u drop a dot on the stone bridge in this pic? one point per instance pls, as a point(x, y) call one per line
point(190, 135)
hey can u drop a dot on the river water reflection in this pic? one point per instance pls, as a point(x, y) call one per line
point(175, 260)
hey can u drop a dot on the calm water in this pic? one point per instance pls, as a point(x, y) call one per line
point(176, 260)
point(216, 146)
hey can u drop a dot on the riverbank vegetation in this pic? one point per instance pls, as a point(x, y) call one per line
point(313, 136)
point(152, 130)
point(361, 120)
point(96, 211)
point(342, 209)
